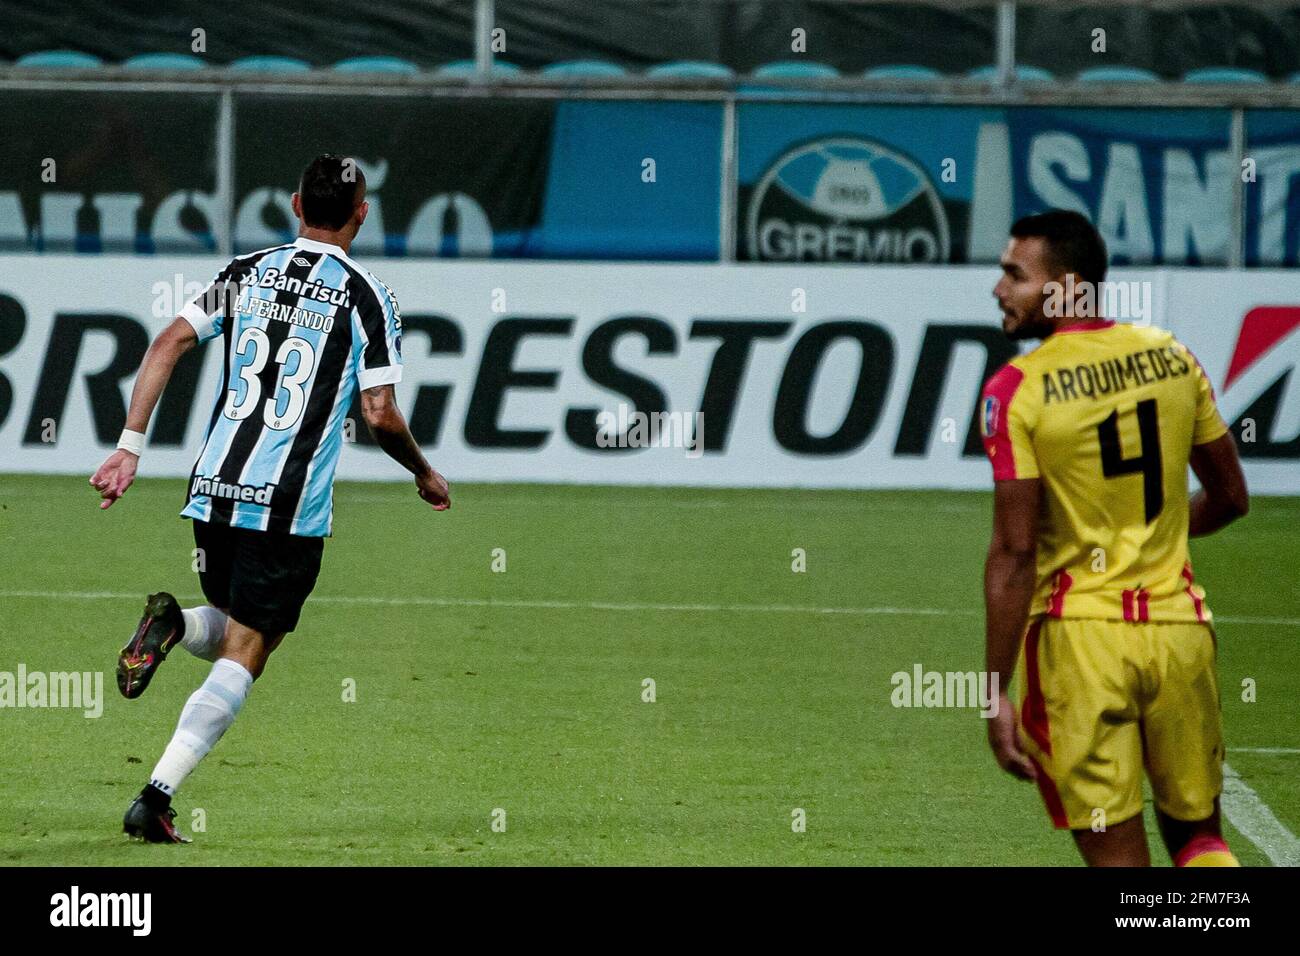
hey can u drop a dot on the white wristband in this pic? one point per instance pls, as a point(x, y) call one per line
point(132, 442)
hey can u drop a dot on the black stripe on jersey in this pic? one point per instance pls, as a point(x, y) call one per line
point(237, 265)
point(371, 312)
point(246, 435)
point(315, 419)
point(216, 295)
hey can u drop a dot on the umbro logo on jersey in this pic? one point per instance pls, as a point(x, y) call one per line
point(300, 261)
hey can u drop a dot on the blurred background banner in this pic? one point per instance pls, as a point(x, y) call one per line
point(88, 172)
point(944, 184)
point(1273, 209)
point(831, 377)
point(1157, 183)
point(469, 178)
point(637, 180)
point(539, 178)
point(443, 177)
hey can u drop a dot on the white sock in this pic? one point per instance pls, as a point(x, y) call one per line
point(204, 626)
point(209, 711)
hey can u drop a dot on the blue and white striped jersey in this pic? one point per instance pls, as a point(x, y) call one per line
point(303, 326)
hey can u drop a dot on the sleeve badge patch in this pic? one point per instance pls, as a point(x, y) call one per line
point(989, 416)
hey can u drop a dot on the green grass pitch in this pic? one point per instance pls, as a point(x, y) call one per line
point(522, 691)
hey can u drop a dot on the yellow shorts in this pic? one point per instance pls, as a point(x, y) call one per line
point(1101, 699)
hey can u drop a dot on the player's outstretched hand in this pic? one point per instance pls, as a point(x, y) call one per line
point(115, 475)
point(433, 488)
point(1003, 739)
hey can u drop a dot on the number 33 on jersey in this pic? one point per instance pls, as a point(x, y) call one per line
point(302, 327)
point(1106, 414)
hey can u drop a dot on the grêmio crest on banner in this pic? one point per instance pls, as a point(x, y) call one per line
point(923, 185)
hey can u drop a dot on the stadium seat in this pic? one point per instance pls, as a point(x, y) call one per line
point(1117, 74)
point(375, 64)
point(59, 59)
point(270, 64)
point(1224, 74)
point(1022, 74)
point(796, 69)
point(688, 68)
point(583, 68)
point(164, 61)
point(902, 71)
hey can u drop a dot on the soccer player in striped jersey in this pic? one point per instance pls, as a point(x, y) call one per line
point(1088, 585)
point(301, 327)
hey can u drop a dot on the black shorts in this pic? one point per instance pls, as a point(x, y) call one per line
point(262, 577)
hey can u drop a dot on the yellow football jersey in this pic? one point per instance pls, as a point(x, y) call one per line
point(1106, 414)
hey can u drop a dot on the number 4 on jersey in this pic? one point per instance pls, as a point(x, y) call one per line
point(1114, 464)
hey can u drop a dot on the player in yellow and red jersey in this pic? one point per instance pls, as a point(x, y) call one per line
point(1090, 436)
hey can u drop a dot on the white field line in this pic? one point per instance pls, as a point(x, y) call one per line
point(416, 601)
point(552, 501)
point(1255, 821)
point(1264, 750)
point(788, 505)
point(526, 604)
